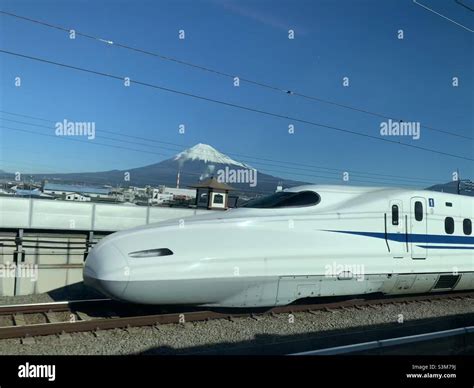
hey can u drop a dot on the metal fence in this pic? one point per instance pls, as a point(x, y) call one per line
point(43, 243)
point(32, 213)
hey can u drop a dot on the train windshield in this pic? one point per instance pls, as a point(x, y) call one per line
point(284, 199)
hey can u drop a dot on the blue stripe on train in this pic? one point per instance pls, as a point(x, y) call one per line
point(444, 247)
point(413, 238)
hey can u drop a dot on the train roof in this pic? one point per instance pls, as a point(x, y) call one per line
point(338, 188)
point(337, 196)
point(342, 189)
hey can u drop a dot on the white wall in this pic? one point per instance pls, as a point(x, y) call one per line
point(63, 215)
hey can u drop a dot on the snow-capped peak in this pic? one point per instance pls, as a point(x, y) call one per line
point(207, 154)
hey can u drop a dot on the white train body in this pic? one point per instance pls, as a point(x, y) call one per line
point(328, 241)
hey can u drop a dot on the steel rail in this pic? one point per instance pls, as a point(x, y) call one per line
point(47, 306)
point(31, 330)
point(386, 343)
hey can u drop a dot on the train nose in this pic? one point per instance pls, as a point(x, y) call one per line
point(106, 270)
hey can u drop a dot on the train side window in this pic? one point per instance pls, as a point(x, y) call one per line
point(284, 199)
point(418, 211)
point(467, 226)
point(218, 198)
point(449, 225)
point(394, 214)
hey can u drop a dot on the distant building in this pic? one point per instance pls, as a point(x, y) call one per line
point(57, 189)
point(160, 198)
point(212, 194)
point(77, 197)
point(140, 191)
point(178, 193)
point(27, 193)
point(128, 195)
point(6, 191)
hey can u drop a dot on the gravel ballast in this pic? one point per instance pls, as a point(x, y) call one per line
point(196, 337)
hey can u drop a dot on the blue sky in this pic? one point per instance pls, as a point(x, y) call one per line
point(409, 78)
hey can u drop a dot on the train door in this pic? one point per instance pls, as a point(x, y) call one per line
point(396, 229)
point(418, 227)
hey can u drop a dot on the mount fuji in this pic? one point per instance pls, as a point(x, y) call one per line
point(206, 154)
point(193, 164)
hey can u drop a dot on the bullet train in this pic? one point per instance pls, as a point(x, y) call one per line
point(307, 241)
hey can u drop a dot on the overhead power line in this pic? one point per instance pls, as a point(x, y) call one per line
point(265, 170)
point(102, 179)
point(335, 171)
point(236, 106)
point(286, 91)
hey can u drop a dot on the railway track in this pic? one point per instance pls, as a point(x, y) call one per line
point(101, 314)
point(47, 307)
